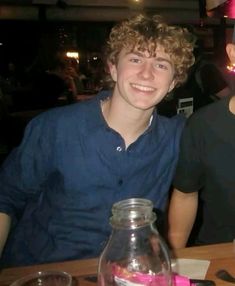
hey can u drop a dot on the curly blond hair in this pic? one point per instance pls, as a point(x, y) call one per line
point(149, 32)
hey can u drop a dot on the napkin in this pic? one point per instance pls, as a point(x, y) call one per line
point(192, 268)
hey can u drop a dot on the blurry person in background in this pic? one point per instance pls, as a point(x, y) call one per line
point(210, 81)
point(10, 83)
point(205, 84)
point(57, 188)
point(57, 81)
point(206, 170)
point(73, 71)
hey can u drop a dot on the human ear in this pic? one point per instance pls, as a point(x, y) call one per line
point(113, 71)
point(230, 49)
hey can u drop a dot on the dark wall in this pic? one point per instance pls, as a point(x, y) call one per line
point(24, 42)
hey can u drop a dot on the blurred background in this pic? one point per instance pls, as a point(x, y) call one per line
point(30, 30)
point(46, 43)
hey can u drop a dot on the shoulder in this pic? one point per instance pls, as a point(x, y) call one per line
point(74, 116)
point(58, 114)
point(209, 117)
point(171, 128)
point(211, 111)
point(176, 122)
point(64, 117)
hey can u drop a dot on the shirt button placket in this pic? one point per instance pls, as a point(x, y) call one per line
point(120, 181)
point(119, 148)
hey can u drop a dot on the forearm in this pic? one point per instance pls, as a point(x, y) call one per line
point(182, 214)
point(5, 223)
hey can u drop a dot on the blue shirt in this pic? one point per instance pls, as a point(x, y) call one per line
point(59, 185)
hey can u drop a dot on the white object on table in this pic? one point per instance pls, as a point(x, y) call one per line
point(191, 268)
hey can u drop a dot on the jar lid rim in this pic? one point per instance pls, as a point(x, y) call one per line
point(132, 202)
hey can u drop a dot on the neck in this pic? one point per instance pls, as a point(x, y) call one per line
point(128, 122)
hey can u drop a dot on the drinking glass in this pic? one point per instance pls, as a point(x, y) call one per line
point(45, 278)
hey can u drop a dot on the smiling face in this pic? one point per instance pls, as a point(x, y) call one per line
point(142, 80)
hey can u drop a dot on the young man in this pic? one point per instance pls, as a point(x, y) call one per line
point(57, 188)
point(206, 164)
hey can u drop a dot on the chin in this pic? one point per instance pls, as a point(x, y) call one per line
point(144, 106)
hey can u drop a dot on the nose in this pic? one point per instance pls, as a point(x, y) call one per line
point(146, 71)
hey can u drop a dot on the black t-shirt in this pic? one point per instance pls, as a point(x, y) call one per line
point(206, 163)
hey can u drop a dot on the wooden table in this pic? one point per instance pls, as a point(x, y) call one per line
point(221, 256)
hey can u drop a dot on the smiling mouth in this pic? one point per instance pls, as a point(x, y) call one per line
point(142, 87)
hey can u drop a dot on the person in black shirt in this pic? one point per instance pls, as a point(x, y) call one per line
point(206, 170)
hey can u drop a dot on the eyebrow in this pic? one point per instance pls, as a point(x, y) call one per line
point(161, 59)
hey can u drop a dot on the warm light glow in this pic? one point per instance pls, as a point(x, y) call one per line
point(74, 55)
point(135, 4)
point(231, 67)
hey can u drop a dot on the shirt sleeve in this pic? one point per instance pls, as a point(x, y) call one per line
point(25, 169)
point(189, 172)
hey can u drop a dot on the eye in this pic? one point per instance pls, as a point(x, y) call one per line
point(161, 66)
point(135, 60)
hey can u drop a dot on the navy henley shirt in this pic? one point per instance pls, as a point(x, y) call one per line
point(59, 185)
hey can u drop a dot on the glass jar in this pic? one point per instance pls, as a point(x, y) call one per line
point(135, 253)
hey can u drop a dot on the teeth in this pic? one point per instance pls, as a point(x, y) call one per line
point(143, 88)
